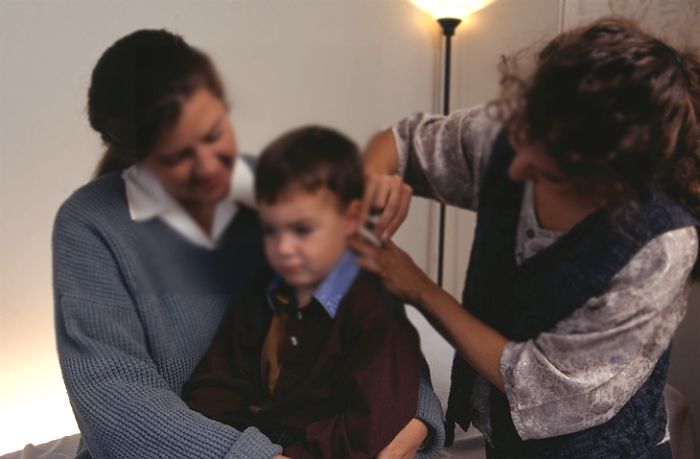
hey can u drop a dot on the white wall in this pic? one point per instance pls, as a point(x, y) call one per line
point(357, 65)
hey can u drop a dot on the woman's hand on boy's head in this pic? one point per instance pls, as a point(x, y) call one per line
point(391, 196)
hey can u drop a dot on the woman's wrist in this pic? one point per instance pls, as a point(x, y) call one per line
point(380, 156)
point(428, 295)
point(408, 441)
point(421, 432)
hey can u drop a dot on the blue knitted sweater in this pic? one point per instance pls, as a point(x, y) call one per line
point(136, 307)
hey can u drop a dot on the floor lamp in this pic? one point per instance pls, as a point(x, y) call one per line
point(448, 14)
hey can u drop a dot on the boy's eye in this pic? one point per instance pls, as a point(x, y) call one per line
point(302, 230)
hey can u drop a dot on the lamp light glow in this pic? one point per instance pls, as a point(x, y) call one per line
point(458, 9)
point(449, 14)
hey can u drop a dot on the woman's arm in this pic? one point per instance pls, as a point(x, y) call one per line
point(424, 435)
point(476, 342)
point(438, 157)
point(616, 337)
point(123, 405)
point(385, 191)
point(584, 370)
point(407, 442)
point(381, 155)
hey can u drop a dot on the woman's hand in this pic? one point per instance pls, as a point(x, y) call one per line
point(391, 196)
point(476, 342)
point(406, 443)
point(384, 190)
point(395, 267)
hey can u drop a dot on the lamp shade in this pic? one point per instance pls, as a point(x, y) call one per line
point(457, 9)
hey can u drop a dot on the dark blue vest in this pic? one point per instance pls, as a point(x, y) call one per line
point(523, 301)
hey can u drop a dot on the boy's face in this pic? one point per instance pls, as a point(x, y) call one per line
point(306, 234)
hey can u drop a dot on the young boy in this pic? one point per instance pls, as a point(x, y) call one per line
point(320, 359)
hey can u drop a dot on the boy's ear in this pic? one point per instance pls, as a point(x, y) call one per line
point(353, 213)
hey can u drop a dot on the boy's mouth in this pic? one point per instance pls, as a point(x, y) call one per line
point(290, 270)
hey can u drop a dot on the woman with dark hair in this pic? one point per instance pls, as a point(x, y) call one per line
point(148, 257)
point(585, 176)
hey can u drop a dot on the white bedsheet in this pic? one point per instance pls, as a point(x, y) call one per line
point(63, 448)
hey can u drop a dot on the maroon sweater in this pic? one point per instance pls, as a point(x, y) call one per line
point(345, 395)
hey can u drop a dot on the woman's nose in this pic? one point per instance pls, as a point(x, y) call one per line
point(206, 162)
point(520, 169)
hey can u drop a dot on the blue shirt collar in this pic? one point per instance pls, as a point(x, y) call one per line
point(333, 288)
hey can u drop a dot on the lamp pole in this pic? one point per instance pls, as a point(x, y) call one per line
point(448, 26)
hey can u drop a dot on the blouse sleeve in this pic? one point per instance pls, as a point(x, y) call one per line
point(616, 339)
point(444, 157)
point(123, 405)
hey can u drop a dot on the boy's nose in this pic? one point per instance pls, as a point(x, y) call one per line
point(285, 244)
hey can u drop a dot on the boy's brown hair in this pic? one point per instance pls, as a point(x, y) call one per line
point(310, 158)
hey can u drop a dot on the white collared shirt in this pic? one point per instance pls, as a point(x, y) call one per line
point(148, 199)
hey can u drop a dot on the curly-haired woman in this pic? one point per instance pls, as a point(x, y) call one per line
point(585, 176)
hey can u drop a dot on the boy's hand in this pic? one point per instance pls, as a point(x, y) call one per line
point(406, 443)
point(391, 196)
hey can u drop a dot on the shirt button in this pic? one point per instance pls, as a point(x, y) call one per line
point(530, 234)
point(293, 340)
